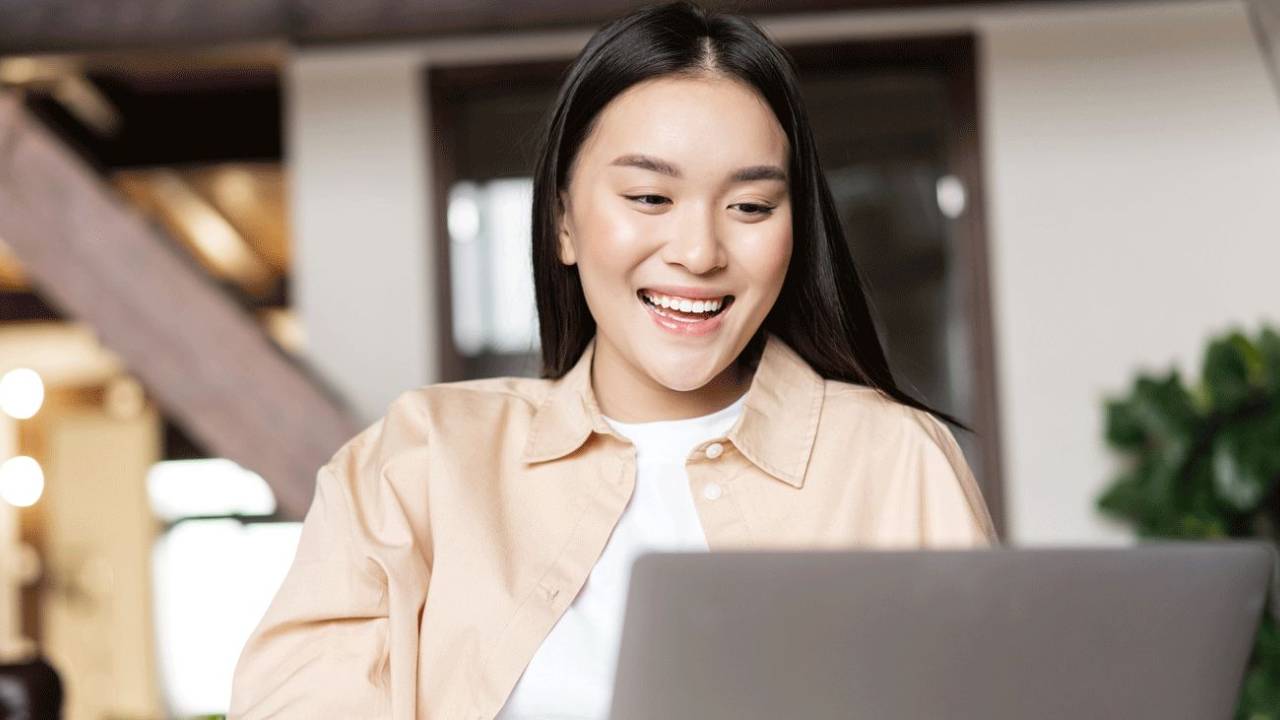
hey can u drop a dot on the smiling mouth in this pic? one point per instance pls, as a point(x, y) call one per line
point(682, 309)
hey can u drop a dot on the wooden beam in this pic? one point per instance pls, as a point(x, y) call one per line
point(85, 25)
point(207, 363)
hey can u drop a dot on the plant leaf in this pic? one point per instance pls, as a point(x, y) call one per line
point(1160, 410)
point(1227, 371)
point(1236, 477)
point(1269, 350)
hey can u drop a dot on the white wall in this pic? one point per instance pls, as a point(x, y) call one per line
point(363, 271)
point(1133, 172)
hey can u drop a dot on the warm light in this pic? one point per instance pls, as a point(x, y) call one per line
point(21, 481)
point(19, 71)
point(21, 393)
point(236, 187)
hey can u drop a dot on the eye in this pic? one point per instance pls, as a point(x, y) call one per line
point(754, 208)
point(648, 200)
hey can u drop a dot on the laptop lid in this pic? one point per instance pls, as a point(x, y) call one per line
point(1161, 630)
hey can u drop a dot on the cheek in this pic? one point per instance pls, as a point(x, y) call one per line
point(767, 256)
point(610, 242)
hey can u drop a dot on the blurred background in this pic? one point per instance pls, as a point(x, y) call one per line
point(232, 232)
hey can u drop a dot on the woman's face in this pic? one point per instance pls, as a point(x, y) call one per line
point(678, 217)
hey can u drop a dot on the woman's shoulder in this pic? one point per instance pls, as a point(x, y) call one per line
point(925, 460)
point(849, 405)
point(484, 393)
point(867, 418)
point(420, 417)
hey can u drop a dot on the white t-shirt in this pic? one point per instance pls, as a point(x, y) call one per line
point(571, 675)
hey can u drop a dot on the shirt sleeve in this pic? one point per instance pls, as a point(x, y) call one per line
point(953, 513)
point(339, 638)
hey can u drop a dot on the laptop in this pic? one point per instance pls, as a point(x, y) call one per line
point(1160, 630)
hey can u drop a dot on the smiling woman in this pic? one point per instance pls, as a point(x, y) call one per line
point(712, 380)
point(716, 226)
point(689, 131)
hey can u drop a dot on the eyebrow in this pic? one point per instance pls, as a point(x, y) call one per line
point(653, 164)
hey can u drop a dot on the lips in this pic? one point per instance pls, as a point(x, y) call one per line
point(691, 312)
point(690, 306)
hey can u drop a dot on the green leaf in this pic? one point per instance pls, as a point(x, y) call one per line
point(1124, 499)
point(1237, 477)
point(1246, 459)
point(1157, 411)
point(1269, 352)
point(1123, 429)
point(1171, 480)
point(1227, 371)
point(1199, 527)
point(1260, 695)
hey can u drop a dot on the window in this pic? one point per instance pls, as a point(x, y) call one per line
point(215, 570)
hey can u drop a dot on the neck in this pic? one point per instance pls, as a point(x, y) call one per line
point(627, 394)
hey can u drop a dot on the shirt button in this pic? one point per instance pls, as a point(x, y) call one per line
point(714, 450)
point(711, 491)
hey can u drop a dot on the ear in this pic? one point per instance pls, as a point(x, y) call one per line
point(564, 239)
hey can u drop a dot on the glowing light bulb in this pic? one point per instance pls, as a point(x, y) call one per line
point(21, 481)
point(21, 393)
point(952, 197)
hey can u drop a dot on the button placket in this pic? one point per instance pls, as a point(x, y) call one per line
point(719, 507)
point(497, 671)
point(712, 490)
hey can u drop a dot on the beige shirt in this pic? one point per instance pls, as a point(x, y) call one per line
point(447, 538)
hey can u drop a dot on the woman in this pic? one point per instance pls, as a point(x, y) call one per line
point(713, 380)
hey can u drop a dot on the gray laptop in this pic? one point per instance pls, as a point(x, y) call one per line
point(1160, 630)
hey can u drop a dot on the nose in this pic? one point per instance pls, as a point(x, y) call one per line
point(696, 244)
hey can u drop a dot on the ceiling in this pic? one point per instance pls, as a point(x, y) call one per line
point(94, 25)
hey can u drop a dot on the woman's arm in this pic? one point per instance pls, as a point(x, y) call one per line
point(340, 637)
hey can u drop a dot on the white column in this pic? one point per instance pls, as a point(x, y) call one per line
point(364, 268)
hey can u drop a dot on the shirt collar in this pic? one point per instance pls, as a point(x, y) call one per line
point(776, 431)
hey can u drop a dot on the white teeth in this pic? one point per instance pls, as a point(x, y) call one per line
point(684, 304)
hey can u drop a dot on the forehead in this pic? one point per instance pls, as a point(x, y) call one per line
point(701, 123)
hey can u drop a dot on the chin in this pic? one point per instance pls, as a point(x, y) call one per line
point(682, 377)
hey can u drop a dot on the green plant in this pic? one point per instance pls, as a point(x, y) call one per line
point(1204, 462)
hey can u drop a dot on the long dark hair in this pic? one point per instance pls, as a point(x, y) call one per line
point(821, 312)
